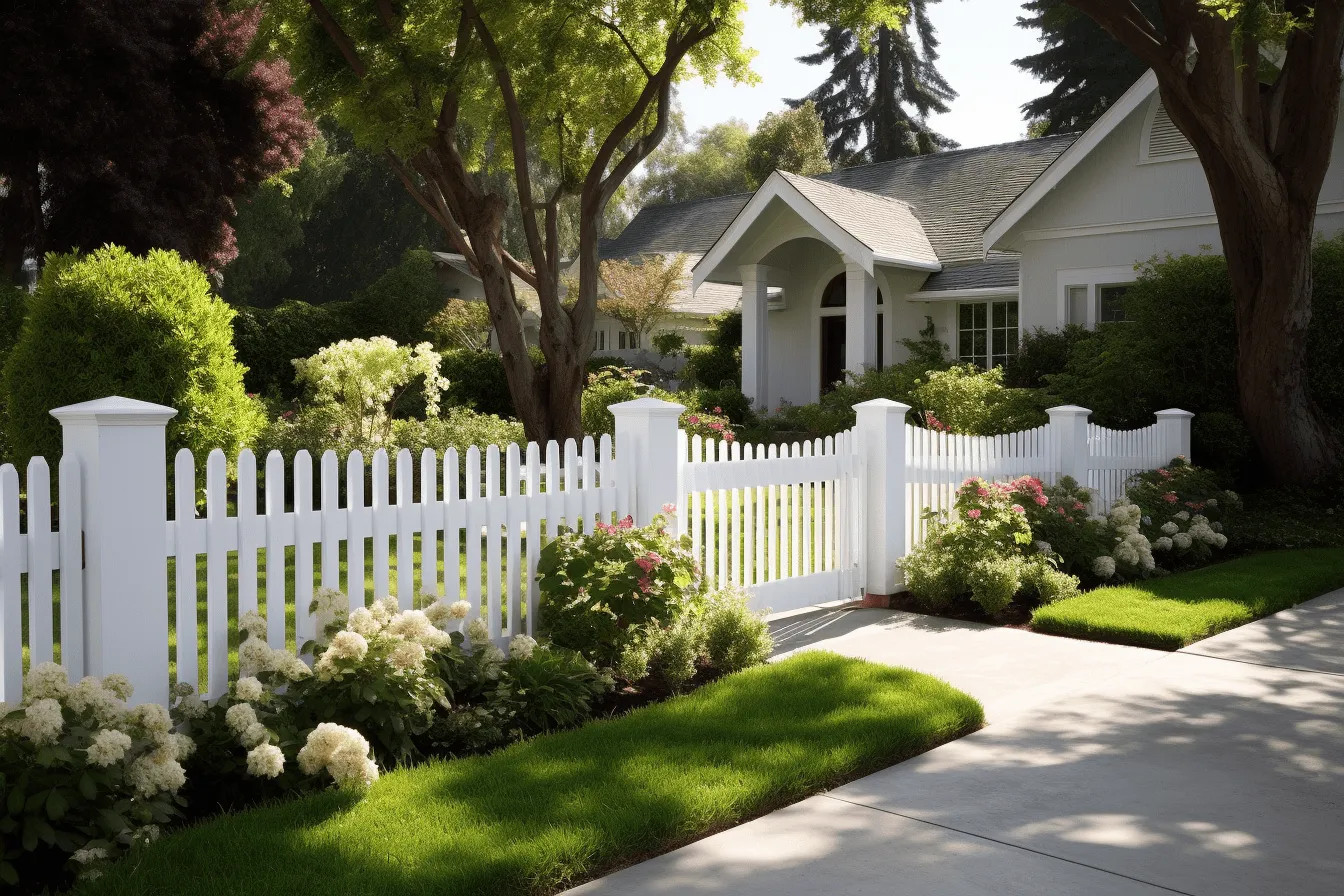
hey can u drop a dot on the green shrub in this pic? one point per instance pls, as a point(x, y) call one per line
point(601, 590)
point(1325, 335)
point(713, 366)
point(1063, 526)
point(1223, 444)
point(476, 380)
point(1042, 353)
point(1183, 508)
point(984, 551)
point(735, 637)
point(13, 309)
point(608, 386)
point(401, 302)
point(112, 323)
point(269, 339)
point(728, 401)
point(669, 343)
point(601, 362)
point(674, 651)
point(545, 689)
point(974, 401)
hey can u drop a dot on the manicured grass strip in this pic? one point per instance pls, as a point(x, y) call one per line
point(1170, 613)
point(556, 810)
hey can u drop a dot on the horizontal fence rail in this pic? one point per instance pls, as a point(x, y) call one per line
point(780, 520)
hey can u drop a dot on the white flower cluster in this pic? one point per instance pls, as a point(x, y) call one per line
point(256, 657)
point(1199, 532)
point(521, 647)
point(1132, 548)
point(342, 752)
point(1103, 567)
point(411, 633)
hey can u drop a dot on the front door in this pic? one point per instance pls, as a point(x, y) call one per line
point(832, 351)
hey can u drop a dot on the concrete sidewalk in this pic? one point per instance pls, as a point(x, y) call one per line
point(1215, 770)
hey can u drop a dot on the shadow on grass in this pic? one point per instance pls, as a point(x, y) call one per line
point(559, 809)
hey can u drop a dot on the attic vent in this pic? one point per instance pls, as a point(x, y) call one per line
point(1165, 141)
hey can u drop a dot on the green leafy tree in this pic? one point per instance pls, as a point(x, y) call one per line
point(640, 294)
point(713, 164)
point(1264, 134)
point(875, 102)
point(585, 88)
point(789, 141)
point(1088, 69)
point(463, 324)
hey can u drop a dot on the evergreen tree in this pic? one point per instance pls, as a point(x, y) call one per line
point(875, 103)
point(1089, 69)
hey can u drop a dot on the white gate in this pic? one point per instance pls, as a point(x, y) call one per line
point(782, 521)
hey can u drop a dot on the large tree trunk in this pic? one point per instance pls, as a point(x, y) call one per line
point(1269, 262)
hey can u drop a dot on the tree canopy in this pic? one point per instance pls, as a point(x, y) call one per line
point(135, 122)
point(712, 163)
point(640, 293)
point(1088, 68)
point(880, 91)
point(790, 141)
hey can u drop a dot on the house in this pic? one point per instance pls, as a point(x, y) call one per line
point(833, 271)
point(690, 317)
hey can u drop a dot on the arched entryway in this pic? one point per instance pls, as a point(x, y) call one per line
point(832, 330)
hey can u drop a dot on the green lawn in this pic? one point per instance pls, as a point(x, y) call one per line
point(551, 812)
point(1171, 612)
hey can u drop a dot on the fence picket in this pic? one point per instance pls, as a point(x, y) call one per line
point(41, 632)
point(216, 573)
point(472, 524)
point(11, 597)
point(184, 574)
point(305, 526)
point(279, 525)
point(408, 526)
point(512, 480)
point(250, 532)
point(382, 532)
point(330, 570)
point(431, 522)
point(357, 529)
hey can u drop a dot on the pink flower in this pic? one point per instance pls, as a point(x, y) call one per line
point(1165, 473)
point(287, 414)
point(693, 419)
point(716, 426)
point(645, 563)
point(982, 492)
point(718, 410)
point(1042, 500)
point(645, 585)
point(627, 523)
point(1077, 505)
point(1170, 498)
point(728, 437)
point(973, 514)
point(1017, 508)
point(670, 509)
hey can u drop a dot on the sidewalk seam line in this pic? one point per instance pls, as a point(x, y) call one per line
point(1230, 659)
point(1006, 843)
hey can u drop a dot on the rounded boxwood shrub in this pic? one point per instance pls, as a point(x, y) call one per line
point(112, 323)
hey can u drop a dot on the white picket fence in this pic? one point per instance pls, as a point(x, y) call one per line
point(795, 525)
point(782, 520)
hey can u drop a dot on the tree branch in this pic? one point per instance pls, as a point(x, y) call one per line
point(339, 37)
point(634, 54)
point(1123, 21)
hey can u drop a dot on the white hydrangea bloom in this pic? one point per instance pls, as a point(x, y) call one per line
point(493, 655)
point(119, 685)
point(192, 707)
point(459, 609)
point(438, 613)
point(1103, 567)
point(153, 774)
point(1212, 502)
point(342, 752)
point(1162, 544)
point(153, 718)
point(413, 625)
point(249, 688)
point(254, 735)
point(1182, 540)
point(351, 767)
point(42, 722)
point(181, 746)
point(521, 647)
point(182, 688)
point(1183, 516)
point(255, 656)
point(1170, 528)
point(265, 761)
point(346, 645)
point(1219, 540)
point(253, 623)
point(478, 631)
point(363, 622)
point(239, 717)
point(292, 667)
point(380, 612)
point(109, 746)
point(90, 696)
point(86, 856)
point(46, 681)
point(408, 655)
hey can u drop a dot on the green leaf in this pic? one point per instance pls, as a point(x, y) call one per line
point(88, 788)
point(57, 805)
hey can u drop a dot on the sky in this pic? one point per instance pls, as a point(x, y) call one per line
point(979, 41)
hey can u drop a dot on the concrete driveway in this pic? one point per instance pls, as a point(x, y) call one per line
point(1103, 770)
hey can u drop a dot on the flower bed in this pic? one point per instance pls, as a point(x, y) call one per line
point(553, 811)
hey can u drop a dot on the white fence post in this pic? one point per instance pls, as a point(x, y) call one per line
point(648, 426)
point(880, 434)
point(120, 447)
point(1173, 433)
point(1068, 441)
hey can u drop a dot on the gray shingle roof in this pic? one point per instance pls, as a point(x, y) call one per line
point(885, 225)
point(955, 195)
point(994, 273)
point(690, 227)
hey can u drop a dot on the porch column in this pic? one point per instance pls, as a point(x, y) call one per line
point(860, 318)
point(755, 335)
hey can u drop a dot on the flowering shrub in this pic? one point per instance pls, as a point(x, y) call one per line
point(1063, 526)
point(985, 551)
point(372, 671)
point(710, 424)
point(363, 379)
point(602, 589)
point(83, 776)
point(1182, 511)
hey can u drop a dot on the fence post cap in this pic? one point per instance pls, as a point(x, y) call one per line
point(115, 410)
point(1068, 410)
point(654, 407)
point(1173, 412)
point(882, 404)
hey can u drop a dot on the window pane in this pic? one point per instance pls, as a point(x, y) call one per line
point(967, 313)
point(978, 344)
point(1000, 314)
point(1078, 305)
point(1112, 301)
point(1012, 341)
point(981, 314)
point(1012, 314)
point(997, 342)
point(964, 345)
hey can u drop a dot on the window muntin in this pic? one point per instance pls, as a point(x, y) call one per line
point(987, 333)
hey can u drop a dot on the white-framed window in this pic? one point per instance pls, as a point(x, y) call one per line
point(627, 339)
point(1092, 296)
point(987, 333)
point(600, 339)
